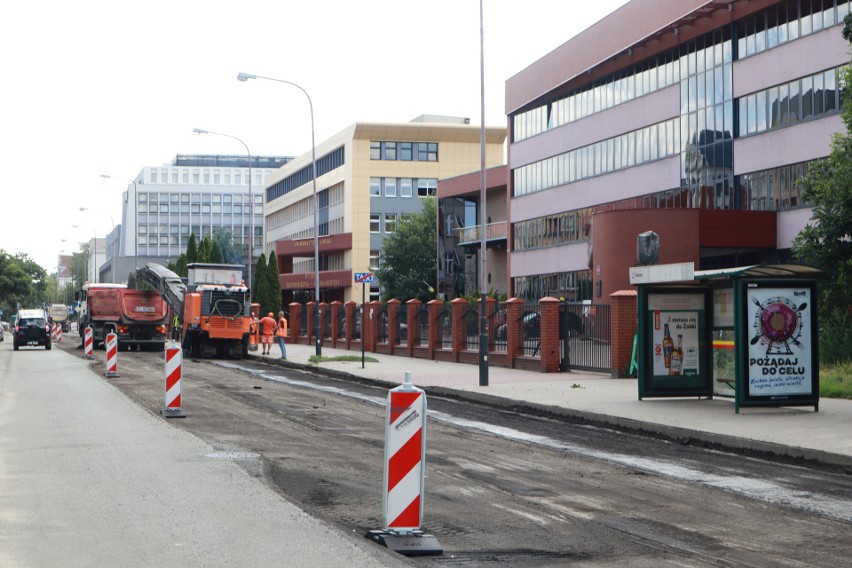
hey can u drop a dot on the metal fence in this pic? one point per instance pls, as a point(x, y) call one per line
point(303, 321)
point(382, 323)
point(585, 337)
point(498, 323)
point(422, 332)
point(341, 322)
point(326, 322)
point(445, 327)
point(401, 324)
point(470, 326)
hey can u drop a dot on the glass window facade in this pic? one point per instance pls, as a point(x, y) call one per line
point(572, 286)
point(653, 142)
point(404, 151)
point(814, 96)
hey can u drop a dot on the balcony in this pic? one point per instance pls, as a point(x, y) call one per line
point(494, 232)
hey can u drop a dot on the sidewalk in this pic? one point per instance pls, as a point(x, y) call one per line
point(90, 478)
point(797, 432)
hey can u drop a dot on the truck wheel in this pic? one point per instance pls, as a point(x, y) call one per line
point(47, 346)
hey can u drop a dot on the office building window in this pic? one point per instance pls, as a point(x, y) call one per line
point(390, 187)
point(404, 151)
point(406, 186)
point(427, 151)
point(375, 187)
point(375, 260)
point(814, 96)
point(375, 222)
point(390, 222)
point(389, 150)
point(427, 187)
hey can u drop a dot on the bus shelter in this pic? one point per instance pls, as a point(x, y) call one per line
point(748, 332)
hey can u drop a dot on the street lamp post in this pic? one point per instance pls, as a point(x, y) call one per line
point(245, 77)
point(135, 217)
point(483, 276)
point(112, 256)
point(251, 203)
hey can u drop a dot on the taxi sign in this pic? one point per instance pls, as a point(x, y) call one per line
point(365, 277)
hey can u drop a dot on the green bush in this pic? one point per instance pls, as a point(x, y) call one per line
point(836, 381)
point(835, 337)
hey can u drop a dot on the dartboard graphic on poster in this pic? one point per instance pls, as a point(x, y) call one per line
point(779, 350)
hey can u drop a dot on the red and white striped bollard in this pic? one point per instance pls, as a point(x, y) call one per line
point(112, 356)
point(58, 334)
point(405, 466)
point(172, 391)
point(87, 343)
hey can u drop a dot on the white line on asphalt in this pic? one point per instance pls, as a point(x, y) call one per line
point(762, 490)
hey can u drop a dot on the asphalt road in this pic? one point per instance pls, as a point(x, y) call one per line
point(504, 488)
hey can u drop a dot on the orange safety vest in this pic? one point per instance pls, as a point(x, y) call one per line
point(282, 328)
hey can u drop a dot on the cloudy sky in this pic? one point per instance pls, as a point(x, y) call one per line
point(104, 87)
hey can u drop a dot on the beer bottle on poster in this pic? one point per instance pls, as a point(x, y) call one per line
point(668, 345)
point(677, 358)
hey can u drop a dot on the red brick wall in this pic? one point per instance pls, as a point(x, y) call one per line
point(623, 323)
point(615, 232)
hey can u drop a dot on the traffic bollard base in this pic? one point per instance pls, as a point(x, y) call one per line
point(112, 374)
point(173, 413)
point(414, 543)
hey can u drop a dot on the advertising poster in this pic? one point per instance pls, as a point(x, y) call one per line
point(779, 346)
point(676, 321)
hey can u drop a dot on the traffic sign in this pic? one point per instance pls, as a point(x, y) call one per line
point(365, 277)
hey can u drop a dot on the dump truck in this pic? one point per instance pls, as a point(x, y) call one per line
point(212, 304)
point(61, 314)
point(139, 318)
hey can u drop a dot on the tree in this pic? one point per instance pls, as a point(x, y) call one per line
point(180, 265)
point(260, 286)
point(204, 250)
point(15, 283)
point(232, 252)
point(409, 256)
point(827, 242)
point(192, 249)
point(273, 284)
point(216, 255)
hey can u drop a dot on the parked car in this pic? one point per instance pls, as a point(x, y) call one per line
point(31, 328)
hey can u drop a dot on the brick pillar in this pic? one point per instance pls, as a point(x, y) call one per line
point(549, 334)
point(413, 308)
point(335, 316)
point(434, 308)
point(350, 308)
point(490, 306)
point(393, 309)
point(514, 311)
point(623, 324)
point(295, 321)
point(459, 330)
point(312, 311)
point(372, 327)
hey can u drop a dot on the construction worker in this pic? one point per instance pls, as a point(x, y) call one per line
point(176, 328)
point(281, 333)
point(267, 329)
